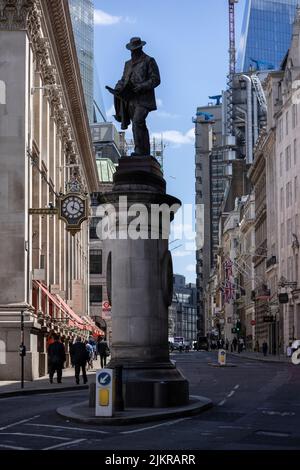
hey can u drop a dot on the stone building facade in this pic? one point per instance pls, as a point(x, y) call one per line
point(45, 144)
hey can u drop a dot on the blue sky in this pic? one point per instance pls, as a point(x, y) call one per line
point(189, 40)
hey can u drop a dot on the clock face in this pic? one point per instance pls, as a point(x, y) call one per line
point(73, 208)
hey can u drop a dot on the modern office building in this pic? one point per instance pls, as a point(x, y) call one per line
point(183, 311)
point(82, 14)
point(266, 33)
point(210, 186)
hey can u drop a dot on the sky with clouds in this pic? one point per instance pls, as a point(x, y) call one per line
point(189, 40)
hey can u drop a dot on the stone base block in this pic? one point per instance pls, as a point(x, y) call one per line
point(153, 386)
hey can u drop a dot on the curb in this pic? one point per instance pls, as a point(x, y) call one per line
point(40, 391)
point(261, 359)
point(213, 364)
point(200, 404)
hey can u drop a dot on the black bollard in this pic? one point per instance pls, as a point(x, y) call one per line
point(119, 402)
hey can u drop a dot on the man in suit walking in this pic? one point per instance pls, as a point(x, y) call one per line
point(56, 359)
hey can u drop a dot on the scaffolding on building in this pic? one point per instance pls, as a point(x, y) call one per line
point(157, 147)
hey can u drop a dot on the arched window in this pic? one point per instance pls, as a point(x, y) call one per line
point(2, 352)
point(2, 92)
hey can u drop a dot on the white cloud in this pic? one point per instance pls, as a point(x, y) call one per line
point(105, 19)
point(110, 112)
point(176, 137)
point(165, 114)
point(159, 102)
point(130, 20)
point(191, 268)
point(180, 253)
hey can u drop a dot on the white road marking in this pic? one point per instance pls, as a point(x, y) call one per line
point(278, 413)
point(64, 444)
point(13, 447)
point(222, 403)
point(19, 422)
point(269, 433)
point(66, 427)
point(33, 435)
point(230, 394)
point(236, 387)
point(53, 394)
point(169, 423)
point(234, 427)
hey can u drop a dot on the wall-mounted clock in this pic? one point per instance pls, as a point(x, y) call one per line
point(73, 209)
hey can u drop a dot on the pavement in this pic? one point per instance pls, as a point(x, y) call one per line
point(82, 413)
point(42, 385)
point(260, 357)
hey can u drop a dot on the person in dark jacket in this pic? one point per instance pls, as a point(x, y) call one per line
point(265, 348)
point(80, 357)
point(134, 94)
point(56, 359)
point(103, 351)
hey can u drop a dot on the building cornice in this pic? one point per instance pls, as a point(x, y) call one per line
point(14, 14)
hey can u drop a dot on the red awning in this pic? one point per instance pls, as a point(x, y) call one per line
point(76, 318)
point(49, 295)
point(84, 323)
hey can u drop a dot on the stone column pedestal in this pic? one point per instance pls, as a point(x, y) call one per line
point(140, 283)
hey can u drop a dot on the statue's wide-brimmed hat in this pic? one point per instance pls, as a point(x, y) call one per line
point(135, 43)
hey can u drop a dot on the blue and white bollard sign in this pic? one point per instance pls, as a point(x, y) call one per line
point(104, 392)
point(222, 357)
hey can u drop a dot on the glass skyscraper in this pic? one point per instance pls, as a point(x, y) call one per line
point(266, 33)
point(82, 15)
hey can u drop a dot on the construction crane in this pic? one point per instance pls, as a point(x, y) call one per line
point(207, 116)
point(262, 65)
point(217, 98)
point(232, 59)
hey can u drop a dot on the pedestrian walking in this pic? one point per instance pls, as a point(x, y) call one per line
point(71, 344)
point(234, 343)
point(103, 351)
point(80, 357)
point(227, 344)
point(265, 348)
point(90, 351)
point(56, 359)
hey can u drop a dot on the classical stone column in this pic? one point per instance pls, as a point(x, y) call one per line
point(140, 283)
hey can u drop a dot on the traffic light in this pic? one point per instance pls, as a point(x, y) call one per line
point(238, 326)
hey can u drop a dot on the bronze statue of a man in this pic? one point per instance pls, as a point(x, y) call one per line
point(134, 94)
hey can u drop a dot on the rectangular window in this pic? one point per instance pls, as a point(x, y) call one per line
point(281, 199)
point(95, 294)
point(288, 158)
point(294, 116)
point(297, 224)
point(295, 188)
point(287, 195)
point(281, 163)
point(93, 227)
point(280, 126)
point(290, 268)
point(96, 262)
point(289, 231)
point(287, 123)
point(295, 151)
point(281, 235)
